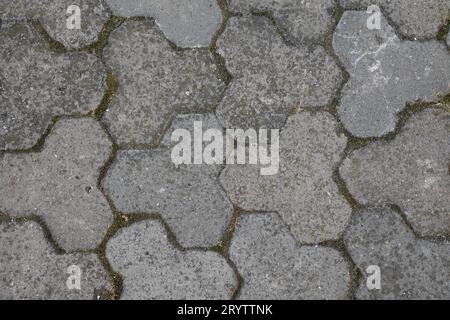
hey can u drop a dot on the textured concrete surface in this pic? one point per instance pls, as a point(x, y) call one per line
point(155, 82)
point(188, 197)
point(87, 178)
point(154, 269)
point(59, 184)
point(257, 58)
point(38, 84)
point(386, 73)
point(411, 171)
point(276, 267)
point(414, 18)
point(53, 15)
point(303, 191)
point(410, 268)
point(300, 20)
point(32, 270)
point(188, 23)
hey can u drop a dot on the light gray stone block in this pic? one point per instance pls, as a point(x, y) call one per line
point(188, 23)
point(386, 73)
point(38, 84)
point(155, 82)
point(274, 266)
point(31, 270)
point(53, 15)
point(303, 191)
point(413, 18)
point(410, 268)
point(153, 269)
point(59, 184)
point(305, 20)
point(411, 171)
point(270, 79)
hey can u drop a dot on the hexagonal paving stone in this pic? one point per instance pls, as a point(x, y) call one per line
point(410, 268)
point(32, 270)
point(270, 79)
point(410, 171)
point(58, 184)
point(303, 191)
point(38, 84)
point(188, 23)
point(54, 15)
point(153, 269)
point(188, 197)
point(385, 74)
point(154, 82)
point(413, 18)
point(300, 20)
point(275, 267)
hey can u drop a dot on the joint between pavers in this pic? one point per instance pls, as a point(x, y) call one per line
point(6, 218)
point(435, 239)
point(222, 70)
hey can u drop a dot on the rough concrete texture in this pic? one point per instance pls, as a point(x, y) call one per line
point(413, 18)
point(32, 270)
point(385, 74)
point(274, 266)
point(154, 269)
point(270, 79)
point(186, 122)
point(86, 149)
point(54, 14)
point(188, 197)
point(300, 20)
point(38, 84)
point(411, 171)
point(155, 82)
point(303, 191)
point(188, 23)
point(58, 184)
point(410, 268)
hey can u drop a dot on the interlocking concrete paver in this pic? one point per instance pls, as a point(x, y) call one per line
point(274, 266)
point(410, 268)
point(385, 74)
point(32, 270)
point(411, 171)
point(154, 82)
point(300, 20)
point(59, 183)
point(37, 84)
point(53, 14)
point(270, 79)
point(303, 191)
point(153, 269)
point(188, 197)
point(188, 23)
point(88, 165)
point(414, 18)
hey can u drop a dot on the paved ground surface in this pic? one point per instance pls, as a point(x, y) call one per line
point(87, 182)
